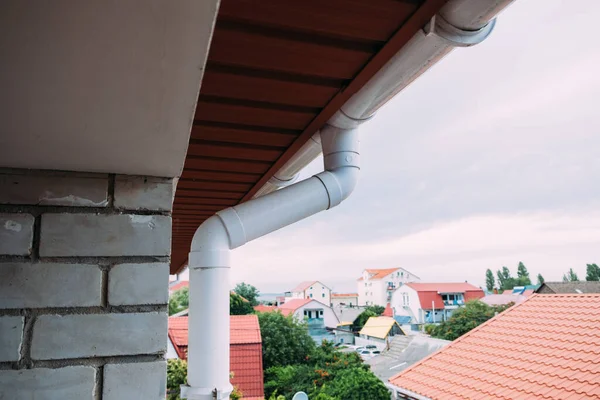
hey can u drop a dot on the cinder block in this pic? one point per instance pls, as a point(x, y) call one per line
point(64, 235)
point(27, 285)
point(70, 383)
point(97, 335)
point(16, 234)
point(11, 336)
point(130, 284)
point(83, 190)
point(143, 193)
point(146, 381)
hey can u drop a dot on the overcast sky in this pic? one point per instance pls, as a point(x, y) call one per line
point(490, 158)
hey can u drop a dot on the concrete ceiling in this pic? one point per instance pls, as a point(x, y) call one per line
point(99, 85)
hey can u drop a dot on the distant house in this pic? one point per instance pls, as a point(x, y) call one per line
point(375, 286)
point(344, 334)
point(311, 290)
point(432, 302)
point(344, 299)
point(245, 347)
point(569, 287)
point(544, 348)
point(316, 313)
point(378, 331)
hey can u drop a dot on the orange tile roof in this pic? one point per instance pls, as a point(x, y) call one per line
point(344, 294)
point(379, 273)
point(547, 347)
point(245, 351)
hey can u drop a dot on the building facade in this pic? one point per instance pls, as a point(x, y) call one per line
point(375, 286)
point(311, 290)
point(344, 299)
point(432, 302)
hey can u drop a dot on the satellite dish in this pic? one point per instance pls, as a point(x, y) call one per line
point(300, 396)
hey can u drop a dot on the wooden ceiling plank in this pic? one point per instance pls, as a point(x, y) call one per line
point(201, 148)
point(356, 19)
point(420, 17)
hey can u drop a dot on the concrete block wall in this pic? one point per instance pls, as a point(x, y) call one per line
point(84, 268)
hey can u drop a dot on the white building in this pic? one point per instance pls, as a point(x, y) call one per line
point(311, 290)
point(344, 299)
point(432, 302)
point(375, 286)
point(314, 311)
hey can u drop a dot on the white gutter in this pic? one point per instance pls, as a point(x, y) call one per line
point(460, 23)
point(209, 258)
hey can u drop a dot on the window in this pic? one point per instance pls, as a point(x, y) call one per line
point(322, 294)
point(321, 313)
point(365, 284)
point(305, 313)
point(311, 295)
point(311, 288)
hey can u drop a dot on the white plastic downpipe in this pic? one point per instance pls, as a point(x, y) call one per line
point(288, 174)
point(459, 23)
point(208, 345)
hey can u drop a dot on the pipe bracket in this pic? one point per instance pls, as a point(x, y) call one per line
point(455, 36)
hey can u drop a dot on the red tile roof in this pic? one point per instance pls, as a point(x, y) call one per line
point(290, 306)
point(379, 273)
point(388, 312)
point(263, 308)
point(427, 298)
point(547, 347)
point(344, 294)
point(245, 351)
point(246, 365)
point(179, 285)
point(305, 285)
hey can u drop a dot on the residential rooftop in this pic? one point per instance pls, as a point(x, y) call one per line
point(547, 347)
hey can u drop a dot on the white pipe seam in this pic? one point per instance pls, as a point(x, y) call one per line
point(209, 258)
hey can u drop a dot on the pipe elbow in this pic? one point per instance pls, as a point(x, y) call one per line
point(210, 245)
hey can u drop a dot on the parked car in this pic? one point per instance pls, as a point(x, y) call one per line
point(371, 347)
point(368, 354)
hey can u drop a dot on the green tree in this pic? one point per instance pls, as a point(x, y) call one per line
point(489, 280)
point(285, 340)
point(239, 305)
point(522, 275)
point(356, 384)
point(179, 301)
point(176, 376)
point(540, 279)
point(473, 314)
point(592, 272)
point(505, 280)
point(248, 292)
point(363, 317)
point(327, 374)
point(570, 276)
